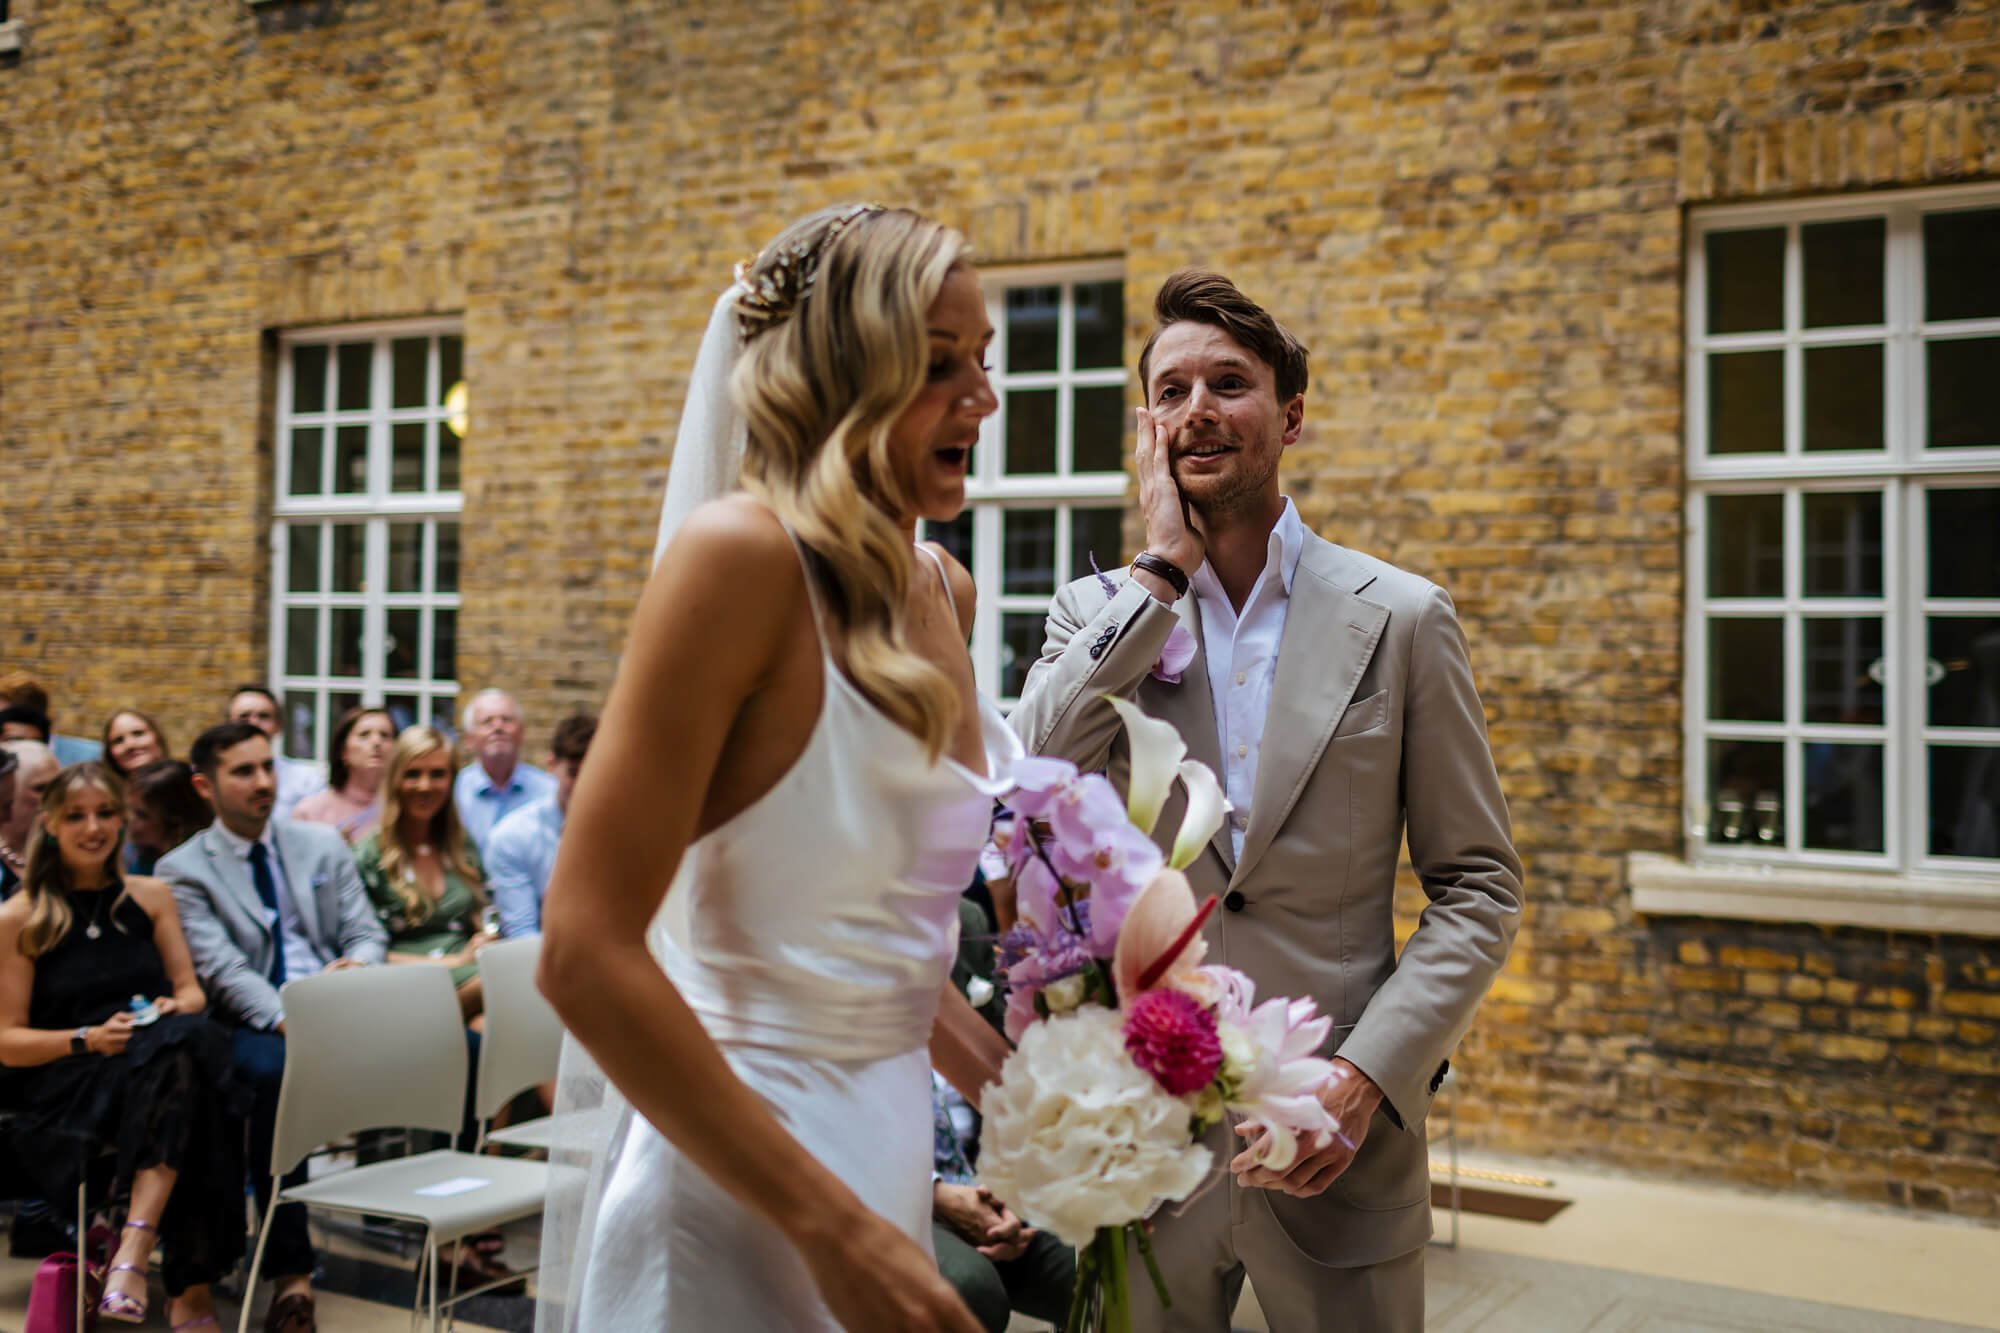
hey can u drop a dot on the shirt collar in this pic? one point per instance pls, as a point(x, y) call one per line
point(1287, 541)
point(239, 846)
point(483, 783)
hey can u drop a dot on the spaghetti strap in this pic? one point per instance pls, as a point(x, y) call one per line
point(812, 588)
point(943, 578)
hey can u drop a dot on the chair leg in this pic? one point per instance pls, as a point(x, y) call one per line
point(432, 1237)
point(417, 1288)
point(256, 1259)
point(82, 1240)
point(451, 1292)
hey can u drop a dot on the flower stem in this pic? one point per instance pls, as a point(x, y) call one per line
point(1079, 1300)
point(1145, 1240)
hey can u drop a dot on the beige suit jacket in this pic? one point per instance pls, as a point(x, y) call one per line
point(1374, 724)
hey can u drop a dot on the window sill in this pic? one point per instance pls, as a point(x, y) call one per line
point(1927, 903)
point(10, 36)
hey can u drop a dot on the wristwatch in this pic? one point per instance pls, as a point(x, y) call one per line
point(79, 1041)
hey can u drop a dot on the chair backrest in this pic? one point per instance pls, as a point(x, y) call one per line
point(368, 1048)
point(522, 1043)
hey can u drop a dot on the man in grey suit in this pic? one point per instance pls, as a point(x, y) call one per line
point(1333, 696)
point(264, 900)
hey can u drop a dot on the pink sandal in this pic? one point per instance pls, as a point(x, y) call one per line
point(116, 1305)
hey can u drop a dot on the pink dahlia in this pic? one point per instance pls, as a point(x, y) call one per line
point(1172, 1037)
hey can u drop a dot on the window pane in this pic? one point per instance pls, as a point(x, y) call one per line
point(1965, 800)
point(1964, 542)
point(955, 536)
point(444, 714)
point(406, 557)
point(1031, 431)
point(404, 709)
point(1746, 403)
point(1021, 637)
point(309, 378)
point(1033, 314)
point(406, 456)
point(1843, 659)
point(1962, 264)
point(301, 723)
point(451, 363)
point(1843, 797)
point(1097, 533)
point(1028, 550)
point(302, 641)
point(1746, 280)
point(1746, 546)
point(1966, 649)
point(1844, 544)
point(1844, 272)
point(1746, 783)
point(1964, 409)
point(1100, 325)
point(409, 356)
point(448, 442)
point(308, 445)
point(447, 557)
point(302, 557)
point(337, 705)
point(1099, 427)
point(345, 641)
point(350, 560)
point(403, 629)
point(350, 460)
point(1746, 669)
point(1844, 397)
point(444, 645)
point(356, 360)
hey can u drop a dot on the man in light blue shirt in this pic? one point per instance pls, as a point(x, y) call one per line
point(496, 783)
point(522, 850)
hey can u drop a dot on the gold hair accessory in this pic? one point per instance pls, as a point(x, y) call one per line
point(769, 298)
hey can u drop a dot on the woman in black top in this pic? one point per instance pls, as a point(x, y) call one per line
point(80, 945)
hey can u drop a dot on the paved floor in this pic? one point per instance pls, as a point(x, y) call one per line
point(1627, 1256)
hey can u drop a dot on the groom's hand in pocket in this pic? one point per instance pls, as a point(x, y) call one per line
point(1351, 1096)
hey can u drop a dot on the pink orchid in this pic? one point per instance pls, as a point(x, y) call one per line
point(1039, 783)
point(1175, 655)
point(1269, 1059)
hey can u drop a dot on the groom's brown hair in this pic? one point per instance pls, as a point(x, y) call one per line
point(1202, 297)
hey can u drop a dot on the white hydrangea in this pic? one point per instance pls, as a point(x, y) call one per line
point(1078, 1137)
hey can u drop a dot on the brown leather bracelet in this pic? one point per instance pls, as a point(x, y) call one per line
point(1164, 568)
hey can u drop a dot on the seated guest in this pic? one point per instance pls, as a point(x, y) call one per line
point(35, 767)
point(8, 765)
point(19, 687)
point(422, 875)
point(994, 1262)
point(131, 741)
point(87, 1074)
point(18, 722)
point(163, 810)
point(522, 849)
point(297, 778)
point(496, 783)
point(263, 900)
point(360, 755)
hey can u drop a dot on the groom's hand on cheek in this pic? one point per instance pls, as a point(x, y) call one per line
point(1352, 1098)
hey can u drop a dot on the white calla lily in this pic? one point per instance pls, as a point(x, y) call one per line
point(1157, 750)
point(1206, 807)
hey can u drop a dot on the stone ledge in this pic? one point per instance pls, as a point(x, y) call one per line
point(1930, 904)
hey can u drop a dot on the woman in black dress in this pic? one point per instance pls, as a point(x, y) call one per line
point(79, 945)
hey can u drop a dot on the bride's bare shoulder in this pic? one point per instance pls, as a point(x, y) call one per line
point(736, 528)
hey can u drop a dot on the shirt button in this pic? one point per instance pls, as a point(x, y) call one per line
point(1240, 677)
point(1242, 751)
point(1243, 820)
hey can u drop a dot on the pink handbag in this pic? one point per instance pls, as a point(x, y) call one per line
point(52, 1299)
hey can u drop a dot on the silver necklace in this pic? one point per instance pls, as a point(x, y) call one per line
point(94, 930)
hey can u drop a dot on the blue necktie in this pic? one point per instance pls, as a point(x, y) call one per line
point(267, 889)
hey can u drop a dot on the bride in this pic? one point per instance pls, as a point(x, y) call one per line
point(795, 744)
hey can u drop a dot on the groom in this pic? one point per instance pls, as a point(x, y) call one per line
point(1333, 696)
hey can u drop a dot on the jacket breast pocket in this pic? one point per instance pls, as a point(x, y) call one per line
point(1364, 715)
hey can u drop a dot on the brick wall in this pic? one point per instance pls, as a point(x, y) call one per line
point(1473, 212)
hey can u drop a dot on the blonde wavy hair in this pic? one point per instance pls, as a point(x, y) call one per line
point(45, 880)
point(820, 389)
point(447, 834)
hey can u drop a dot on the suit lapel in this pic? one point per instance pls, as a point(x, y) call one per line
point(1190, 706)
point(232, 873)
point(1330, 634)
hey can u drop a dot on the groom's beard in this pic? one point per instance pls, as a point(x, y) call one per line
point(1237, 491)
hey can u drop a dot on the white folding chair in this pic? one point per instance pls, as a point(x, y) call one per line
point(376, 1048)
point(521, 1045)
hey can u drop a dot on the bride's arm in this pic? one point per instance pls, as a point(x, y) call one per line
point(715, 619)
point(964, 1046)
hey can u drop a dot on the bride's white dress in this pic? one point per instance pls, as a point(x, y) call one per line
point(820, 927)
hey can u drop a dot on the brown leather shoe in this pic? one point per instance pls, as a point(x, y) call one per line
point(291, 1314)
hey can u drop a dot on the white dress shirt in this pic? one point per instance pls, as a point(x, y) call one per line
point(302, 956)
point(1241, 649)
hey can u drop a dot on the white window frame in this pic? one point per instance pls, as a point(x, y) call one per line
point(1908, 882)
point(989, 492)
point(374, 509)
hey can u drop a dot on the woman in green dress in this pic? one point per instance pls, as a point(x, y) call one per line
point(421, 871)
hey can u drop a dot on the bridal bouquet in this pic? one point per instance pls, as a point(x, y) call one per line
point(1128, 1046)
